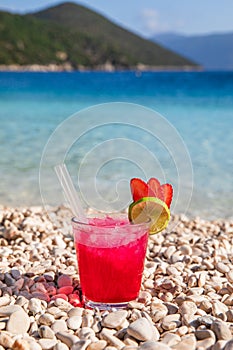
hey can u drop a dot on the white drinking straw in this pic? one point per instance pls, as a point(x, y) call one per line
point(70, 192)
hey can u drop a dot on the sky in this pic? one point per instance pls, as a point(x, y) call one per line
point(150, 17)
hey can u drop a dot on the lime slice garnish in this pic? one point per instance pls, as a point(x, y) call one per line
point(150, 209)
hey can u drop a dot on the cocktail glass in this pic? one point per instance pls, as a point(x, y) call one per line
point(110, 253)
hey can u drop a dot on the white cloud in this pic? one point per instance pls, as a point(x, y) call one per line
point(152, 22)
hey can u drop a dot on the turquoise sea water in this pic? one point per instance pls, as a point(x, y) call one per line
point(198, 104)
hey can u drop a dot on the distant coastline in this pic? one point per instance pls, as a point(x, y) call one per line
point(107, 67)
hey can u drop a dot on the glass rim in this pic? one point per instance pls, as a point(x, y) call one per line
point(76, 221)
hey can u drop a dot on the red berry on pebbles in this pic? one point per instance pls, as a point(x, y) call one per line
point(65, 290)
point(75, 300)
point(60, 296)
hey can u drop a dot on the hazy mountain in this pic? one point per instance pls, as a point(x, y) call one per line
point(213, 51)
point(74, 35)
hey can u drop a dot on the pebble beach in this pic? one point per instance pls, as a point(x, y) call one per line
point(185, 302)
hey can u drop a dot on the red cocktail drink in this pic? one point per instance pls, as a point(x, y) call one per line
point(111, 254)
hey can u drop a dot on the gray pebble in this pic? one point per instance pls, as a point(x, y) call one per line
point(221, 330)
point(229, 345)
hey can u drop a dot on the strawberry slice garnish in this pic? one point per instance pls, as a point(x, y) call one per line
point(139, 189)
point(155, 188)
point(167, 193)
point(152, 188)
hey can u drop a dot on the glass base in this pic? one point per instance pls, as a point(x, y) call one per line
point(105, 306)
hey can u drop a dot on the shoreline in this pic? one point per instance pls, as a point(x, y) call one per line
point(101, 68)
point(187, 216)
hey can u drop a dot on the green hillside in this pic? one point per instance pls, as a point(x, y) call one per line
point(74, 35)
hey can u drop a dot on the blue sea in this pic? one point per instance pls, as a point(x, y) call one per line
point(190, 143)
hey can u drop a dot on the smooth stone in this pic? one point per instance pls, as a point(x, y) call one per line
point(219, 310)
point(3, 324)
point(81, 345)
point(61, 346)
point(64, 280)
point(230, 276)
point(221, 330)
point(67, 338)
point(9, 280)
point(87, 320)
point(86, 333)
point(21, 344)
point(59, 326)
point(46, 319)
point(47, 344)
point(6, 340)
point(62, 304)
point(136, 305)
point(172, 308)
point(9, 309)
point(204, 333)
point(229, 345)
point(205, 343)
point(16, 274)
point(221, 267)
point(98, 345)
point(188, 308)
point(171, 322)
point(41, 296)
point(219, 345)
point(21, 301)
point(56, 312)
point(171, 339)
point(140, 329)
point(19, 322)
point(46, 332)
point(107, 334)
point(230, 315)
point(34, 305)
point(74, 322)
point(206, 320)
point(187, 342)
point(114, 319)
point(153, 345)
point(60, 243)
point(5, 300)
point(34, 345)
point(159, 311)
point(75, 311)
